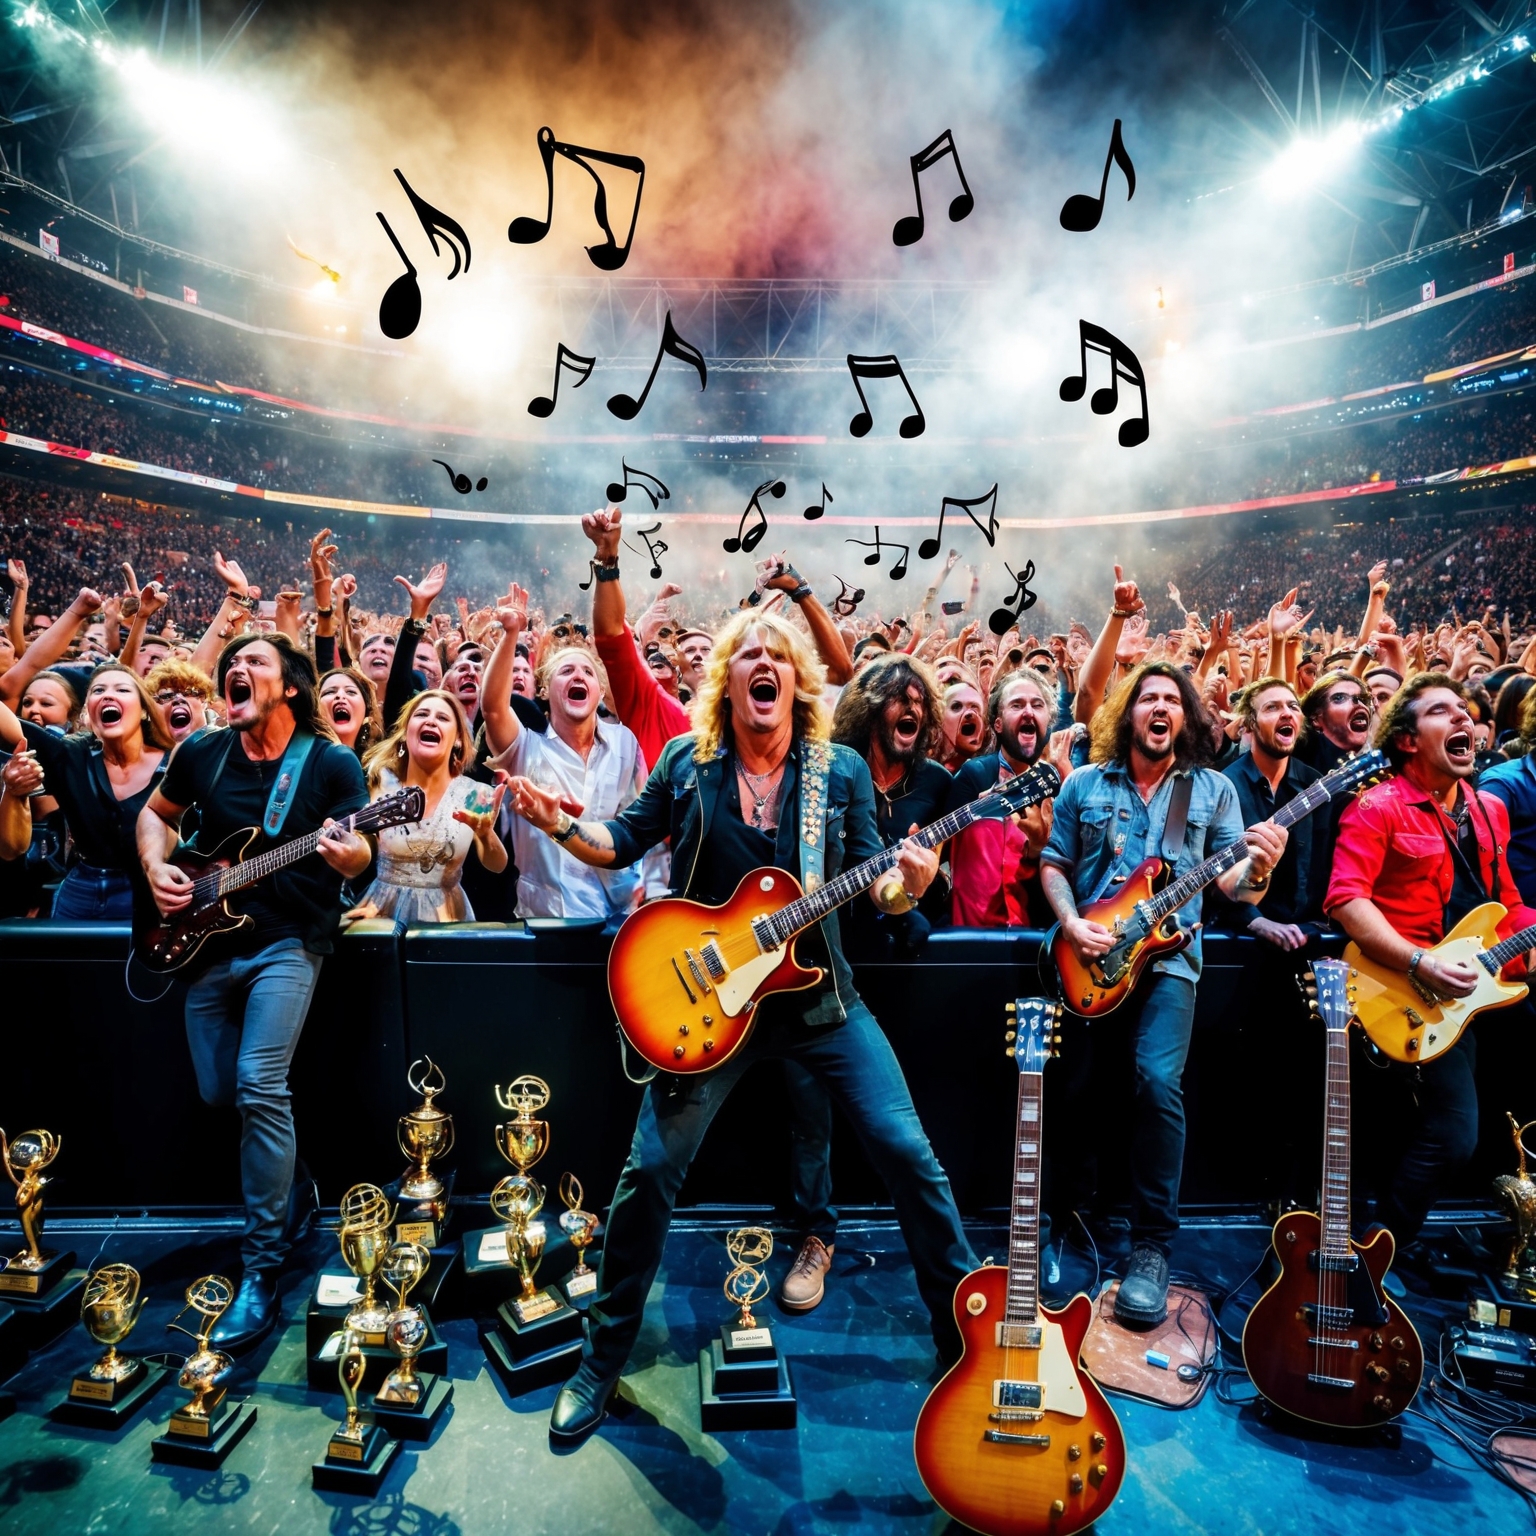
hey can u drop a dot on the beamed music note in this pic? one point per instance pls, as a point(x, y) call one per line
point(909, 229)
point(1123, 364)
point(544, 405)
point(930, 547)
point(886, 367)
point(899, 569)
point(610, 255)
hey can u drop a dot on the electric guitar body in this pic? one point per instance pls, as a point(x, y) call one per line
point(1100, 986)
point(1411, 1023)
point(1005, 1487)
point(171, 942)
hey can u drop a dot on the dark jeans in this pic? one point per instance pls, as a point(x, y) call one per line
point(244, 1018)
point(810, 1139)
point(857, 1066)
point(90, 895)
point(1438, 1101)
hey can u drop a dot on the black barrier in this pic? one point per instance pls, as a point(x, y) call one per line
point(489, 1002)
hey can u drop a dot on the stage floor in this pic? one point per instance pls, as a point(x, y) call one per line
point(862, 1365)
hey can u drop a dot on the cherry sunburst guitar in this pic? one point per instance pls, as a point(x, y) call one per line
point(1142, 911)
point(1017, 1439)
point(1324, 1342)
point(685, 978)
point(232, 866)
point(1409, 1021)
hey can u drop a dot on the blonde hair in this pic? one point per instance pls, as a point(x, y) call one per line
point(393, 753)
point(546, 668)
point(180, 677)
point(782, 641)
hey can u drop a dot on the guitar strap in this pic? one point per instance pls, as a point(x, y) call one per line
point(1178, 816)
point(288, 771)
point(815, 770)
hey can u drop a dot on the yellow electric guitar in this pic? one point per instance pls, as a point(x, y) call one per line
point(1408, 1020)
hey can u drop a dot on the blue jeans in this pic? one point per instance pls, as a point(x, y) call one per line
point(855, 1063)
point(90, 895)
point(243, 1022)
point(810, 1153)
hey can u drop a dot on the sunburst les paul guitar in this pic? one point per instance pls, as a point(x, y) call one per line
point(234, 866)
point(686, 979)
point(1142, 910)
point(1017, 1439)
point(1324, 1342)
point(1407, 1019)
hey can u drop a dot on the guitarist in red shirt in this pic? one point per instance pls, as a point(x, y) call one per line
point(1414, 855)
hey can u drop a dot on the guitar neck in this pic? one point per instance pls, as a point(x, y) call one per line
point(246, 873)
point(1187, 887)
point(1335, 1205)
point(1024, 1222)
point(799, 914)
point(1494, 960)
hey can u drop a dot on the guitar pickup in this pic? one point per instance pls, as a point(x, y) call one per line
point(1328, 1317)
point(1018, 1394)
point(1018, 1335)
point(714, 962)
point(1004, 1437)
point(1333, 1263)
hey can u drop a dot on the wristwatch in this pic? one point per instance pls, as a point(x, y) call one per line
point(245, 600)
point(564, 828)
point(606, 570)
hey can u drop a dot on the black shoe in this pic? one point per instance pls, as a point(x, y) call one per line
point(1142, 1301)
point(250, 1317)
point(582, 1405)
point(303, 1207)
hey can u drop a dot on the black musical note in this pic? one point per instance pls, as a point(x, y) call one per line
point(626, 407)
point(1003, 619)
point(887, 367)
point(544, 405)
point(1124, 364)
point(1080, 213)
point(436, 223)
point(910, 229)
point(617, 492)
point(461, 483)
point(898, 570)
point(591, 574)
point(655, 550)
point(812, 513)
point(930, 547)
point(847, 599)
point(749, 540)
point(400, 308)
point(610, 255)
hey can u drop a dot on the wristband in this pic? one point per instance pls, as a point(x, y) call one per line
point(324, 613)
point(243, 600)
point(1122, 613)
point(606, 572)
point(1413, 961)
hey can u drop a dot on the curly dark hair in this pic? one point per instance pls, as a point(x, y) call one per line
point(864, 699)
point(1401, 716)
point(1112, 730)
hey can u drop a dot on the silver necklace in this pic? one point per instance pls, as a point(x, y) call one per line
point(758, 814)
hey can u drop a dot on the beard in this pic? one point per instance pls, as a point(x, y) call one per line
point(1156, 751)
point(1027, 754)
point(895, 749)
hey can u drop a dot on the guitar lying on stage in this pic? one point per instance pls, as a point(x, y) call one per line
point(685, 978)
point(231, 867)
point(1323, 1342)
point(1408, 1020)
point(1141, 911)
point(1017, 1439)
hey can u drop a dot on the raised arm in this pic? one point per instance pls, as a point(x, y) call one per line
point(141, 607)
point(777, 574)
point(48, 647)
point(17, 571)
point(239, 604)
point(1094, 679)
point(399, 687)
point(501, 722)
point(1376, 603)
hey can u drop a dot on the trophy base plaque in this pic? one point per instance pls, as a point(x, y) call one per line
point(418, 1420)
point(580, 1289)
point(320, 1368)
point(34, 1284)
point(1495, 1303)
point(108, 1404)
point(740, 1345)
point(42, 1318)
point(722, 1405)
point(355, 1468)
point(422, 1221)
point(226, 1429)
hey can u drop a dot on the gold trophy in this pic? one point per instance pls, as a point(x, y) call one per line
point(749, 1249)
point(522, 1140)
point(349, 1442)
point(517, 1200)
point(426, 1132)
point(109, 1308)
point(1517, 1192)
point(206, 1367)
point(24, 1159)
point(743, 1381)
point(580, 1227)
point(406, 1330)
point(365, 1222)
point(359, 1453)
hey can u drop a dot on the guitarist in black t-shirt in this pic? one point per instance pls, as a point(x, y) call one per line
point(278, 767)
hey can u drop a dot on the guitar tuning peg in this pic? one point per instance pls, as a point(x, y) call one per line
point(1008, 1051)
point(1010, 1007)
point(1010, 1034)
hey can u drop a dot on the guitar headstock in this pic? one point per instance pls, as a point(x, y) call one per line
point(395, 810)
point(1330, 992)
point(1358, 772)
point(1033, 1035)
point(1042, 782)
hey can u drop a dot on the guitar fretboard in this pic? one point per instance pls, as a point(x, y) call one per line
point(783, 925)
point(1335, 1211)
point(1494, 960)
point(1024, 1217)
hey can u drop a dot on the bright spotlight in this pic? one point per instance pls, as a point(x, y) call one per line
point(1305, 162)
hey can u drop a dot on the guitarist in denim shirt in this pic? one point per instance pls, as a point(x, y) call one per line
point(745, 791)
point(1151, 737)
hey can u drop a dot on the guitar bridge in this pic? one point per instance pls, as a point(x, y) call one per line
point(696, 969)
point(1015, 1415)
point(1003, 1437)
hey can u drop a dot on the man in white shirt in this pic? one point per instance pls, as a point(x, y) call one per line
point(594, 764)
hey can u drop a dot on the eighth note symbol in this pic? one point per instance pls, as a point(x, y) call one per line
point(812, 513)
point(460, 482)
point(748, 541)
point(544, 405)
point(1003, 619)
point(908, 230)
point(898, 570)
point(1081, 213)
point(654, 548)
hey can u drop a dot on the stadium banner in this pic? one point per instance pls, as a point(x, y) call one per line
point(48, 243)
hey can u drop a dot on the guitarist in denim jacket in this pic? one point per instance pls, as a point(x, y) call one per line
point(742, 793)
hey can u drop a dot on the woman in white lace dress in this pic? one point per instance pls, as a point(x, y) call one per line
point(420, 865)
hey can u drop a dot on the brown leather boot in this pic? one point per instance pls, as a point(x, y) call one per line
point(806, 1282)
